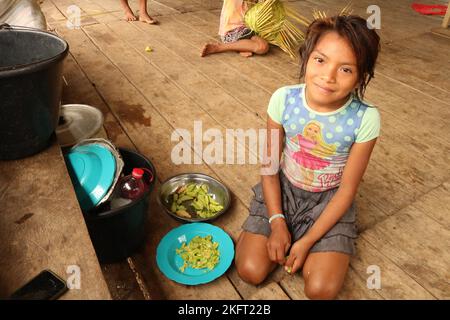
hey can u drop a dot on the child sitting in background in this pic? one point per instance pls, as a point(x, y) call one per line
point(143, 14)
point(234, 34)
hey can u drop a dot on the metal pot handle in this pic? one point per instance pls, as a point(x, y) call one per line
point(5, 26)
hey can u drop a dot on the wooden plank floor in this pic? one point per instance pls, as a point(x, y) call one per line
point(403, 201)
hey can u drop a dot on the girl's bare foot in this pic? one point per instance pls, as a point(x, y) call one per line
point(210, 48)
point(129, 16)
point(147, 19)
point(246, 54)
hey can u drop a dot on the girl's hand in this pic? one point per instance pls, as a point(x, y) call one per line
point(279, 241)
point(297, 256)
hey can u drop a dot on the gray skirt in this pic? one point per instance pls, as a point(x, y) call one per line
point(302, 208)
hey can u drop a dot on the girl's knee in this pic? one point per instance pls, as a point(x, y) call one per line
point(321, 289)
point(263, 47)
point(250, 271)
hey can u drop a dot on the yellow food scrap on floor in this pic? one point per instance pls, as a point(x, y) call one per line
point(148, 49)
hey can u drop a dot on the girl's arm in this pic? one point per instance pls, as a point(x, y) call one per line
point(338, 206)
point(280, 238)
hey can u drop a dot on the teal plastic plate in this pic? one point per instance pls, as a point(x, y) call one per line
point(169, 261)
point(92, 171)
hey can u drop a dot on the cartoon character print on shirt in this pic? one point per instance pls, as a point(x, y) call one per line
point(317, 145)
point(313, 150)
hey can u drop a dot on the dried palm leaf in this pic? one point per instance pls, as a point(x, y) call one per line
point(347, 10)
point(275, 22)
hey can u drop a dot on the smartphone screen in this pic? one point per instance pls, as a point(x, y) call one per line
point(45, 286)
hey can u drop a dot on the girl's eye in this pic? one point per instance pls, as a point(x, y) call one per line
point(347, 70)
point(318, 59)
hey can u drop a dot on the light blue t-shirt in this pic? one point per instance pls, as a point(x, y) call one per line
point(317, 144)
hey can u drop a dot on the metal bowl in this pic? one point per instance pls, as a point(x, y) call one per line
point(218, 191)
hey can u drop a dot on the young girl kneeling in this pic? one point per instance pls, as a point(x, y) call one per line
point(304, 216)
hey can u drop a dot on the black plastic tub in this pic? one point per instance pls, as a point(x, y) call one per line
point(31, 66)
point(118, 233)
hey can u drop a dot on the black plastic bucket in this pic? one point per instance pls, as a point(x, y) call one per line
point(31, 66)
point(116, 234)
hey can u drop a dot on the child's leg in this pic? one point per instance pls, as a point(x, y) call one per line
point(256, 45)
point(252, 260)
point(143, 14)
point(324, 274)
point(129, 16)
point(246, 54)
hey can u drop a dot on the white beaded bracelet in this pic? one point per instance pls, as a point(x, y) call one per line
point(278, 215)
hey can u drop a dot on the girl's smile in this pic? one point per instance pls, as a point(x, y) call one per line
point(331, 73)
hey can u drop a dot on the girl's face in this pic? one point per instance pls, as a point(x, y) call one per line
point(331, 73)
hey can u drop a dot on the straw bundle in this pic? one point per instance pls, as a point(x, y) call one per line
point(347, 10)
point(275, 22)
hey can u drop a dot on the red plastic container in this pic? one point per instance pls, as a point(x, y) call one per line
point(133, 186)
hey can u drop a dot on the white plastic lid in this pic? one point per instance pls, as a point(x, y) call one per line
point(77, 122)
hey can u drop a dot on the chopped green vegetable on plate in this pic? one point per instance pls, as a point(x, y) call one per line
point(194, 198)
point(199, 253)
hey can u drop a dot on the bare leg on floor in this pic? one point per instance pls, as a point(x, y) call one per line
point(143, 14)
point(246, 54)
point(324, 274)
point(252, 259)
point(246, 46)
point(129, 15)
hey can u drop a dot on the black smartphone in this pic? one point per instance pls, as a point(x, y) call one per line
point(45, 286)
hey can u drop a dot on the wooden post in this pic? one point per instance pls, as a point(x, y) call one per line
point(447, 17)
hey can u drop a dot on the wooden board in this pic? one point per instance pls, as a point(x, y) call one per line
point(75, 14)
point(154, 8)
point(51, 12)
point(161, 6)
point(418, 245)
point(121, 282)
point(410, 62)
point(94, 10)
point(442, 32)
point(268, 292)
point(397, 20)
point(354, 288)
point(182, 6)
point(79, 90)
point(42, 227)
point(436, 204)
point(395, 283)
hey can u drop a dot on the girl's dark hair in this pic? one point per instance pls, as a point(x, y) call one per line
point(365, 43)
